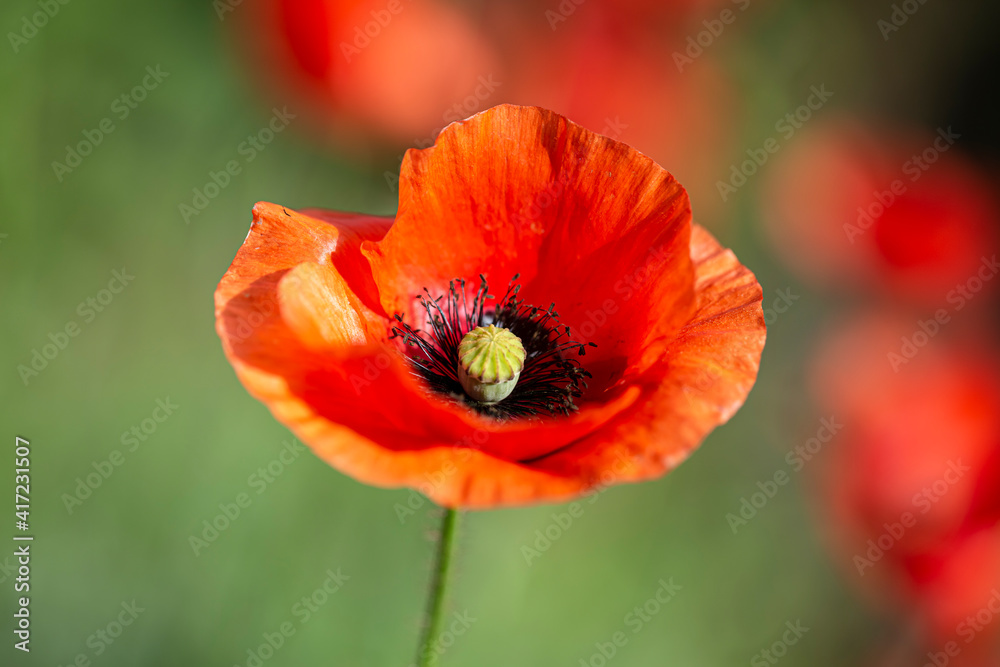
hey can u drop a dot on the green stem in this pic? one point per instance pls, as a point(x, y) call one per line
point(439, 583)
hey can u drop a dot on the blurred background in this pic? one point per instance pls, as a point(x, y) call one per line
point(848, 153)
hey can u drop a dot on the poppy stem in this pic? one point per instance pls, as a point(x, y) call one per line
point(426, 656)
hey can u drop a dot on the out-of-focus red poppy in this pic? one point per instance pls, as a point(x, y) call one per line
point(358, 69)
point(609, 71)
point(640, 11)
point(855, 205)
point(307, 313)
point(952, 618)
point(912, 489)
point(624, 70)
point(958, 588)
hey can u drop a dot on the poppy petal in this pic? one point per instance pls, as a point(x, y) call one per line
point(585, 220)
point(703, 378)
point(271, 314)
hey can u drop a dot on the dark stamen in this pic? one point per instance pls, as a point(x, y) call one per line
point(549, 382)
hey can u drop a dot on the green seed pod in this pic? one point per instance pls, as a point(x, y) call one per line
point(490, 361)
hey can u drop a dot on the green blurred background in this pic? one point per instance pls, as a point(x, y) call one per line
point(130, 539)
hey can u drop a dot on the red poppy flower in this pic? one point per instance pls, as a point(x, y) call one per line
point(617, 72)
point(388, 70)
point(915, 476)
point(638, 14)
point(851, 204)
point(949, 614)
point(318, 312)
point(958, 581)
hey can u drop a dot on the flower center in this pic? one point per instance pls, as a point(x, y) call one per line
point(505, 361)
point(489, 363)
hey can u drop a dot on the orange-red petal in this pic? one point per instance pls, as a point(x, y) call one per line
point(681, 349)
point(700, 382)
point(589, 223)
